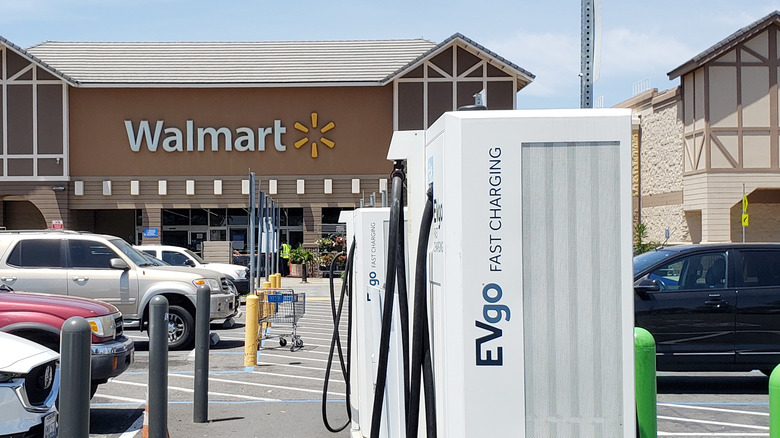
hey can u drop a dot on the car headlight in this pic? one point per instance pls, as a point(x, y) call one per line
point(103, 326)
point(241, 273)
point(5, 377)
point(212, 283)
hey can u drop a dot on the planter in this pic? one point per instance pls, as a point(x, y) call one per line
point(296, 270)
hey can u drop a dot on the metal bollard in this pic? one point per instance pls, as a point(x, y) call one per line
point(645, 383)
point(304, 273)
point(158, 367)
point(774, 403)
point(76, 357)
point(251, 328)
point(202, 320)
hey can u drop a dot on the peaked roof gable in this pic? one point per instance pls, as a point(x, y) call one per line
point(30, 57)
point(726, 44)
point(524, 77)
point(251, 64)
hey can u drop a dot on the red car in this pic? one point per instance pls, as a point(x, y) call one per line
point(39, 318)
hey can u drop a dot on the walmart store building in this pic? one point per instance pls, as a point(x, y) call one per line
point(120, 138)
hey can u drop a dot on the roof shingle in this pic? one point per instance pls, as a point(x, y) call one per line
point(230, 62)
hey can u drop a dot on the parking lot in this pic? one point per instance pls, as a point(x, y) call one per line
point(281, 396)
point(713, 405)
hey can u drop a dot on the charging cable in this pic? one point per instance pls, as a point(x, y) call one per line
point(396, 216)
point(335, 344)
point(421, 344)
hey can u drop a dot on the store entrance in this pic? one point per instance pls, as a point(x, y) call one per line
point(191, 238)
point(120, 223)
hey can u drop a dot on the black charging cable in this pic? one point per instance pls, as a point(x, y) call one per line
point(422, 365)
point(335, 344)
point(387, 306)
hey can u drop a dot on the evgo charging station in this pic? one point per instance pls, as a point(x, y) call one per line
point(515, 315)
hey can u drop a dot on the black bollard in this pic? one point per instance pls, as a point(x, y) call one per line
point(158, 367)
point(201, 402)
point(76, 358)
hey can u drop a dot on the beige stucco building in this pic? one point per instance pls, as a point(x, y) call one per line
point(699, 145)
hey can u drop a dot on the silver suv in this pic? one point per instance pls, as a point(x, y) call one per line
point(109, 269)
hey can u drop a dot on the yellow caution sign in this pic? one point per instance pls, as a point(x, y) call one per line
point(744, 219)
point(744, 204)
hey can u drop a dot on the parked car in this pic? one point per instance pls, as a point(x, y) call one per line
point(109, 269)
point(178, 256)
point(29, 385)
point(711, 307)
point(39, 318)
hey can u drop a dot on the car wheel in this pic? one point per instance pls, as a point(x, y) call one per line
point(181, 328)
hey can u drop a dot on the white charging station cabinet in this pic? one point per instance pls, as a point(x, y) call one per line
point(370, 229)
point(530, 273)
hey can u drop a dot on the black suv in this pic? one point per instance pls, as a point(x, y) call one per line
point(711, 307)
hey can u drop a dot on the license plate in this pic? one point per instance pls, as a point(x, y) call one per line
point(50, 426)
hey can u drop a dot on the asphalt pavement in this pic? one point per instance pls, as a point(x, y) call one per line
point(279, 397)
point(282, 395)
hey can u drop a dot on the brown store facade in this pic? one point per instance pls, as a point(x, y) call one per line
point(125, 137)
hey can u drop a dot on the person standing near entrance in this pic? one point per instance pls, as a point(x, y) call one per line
point(285, 255)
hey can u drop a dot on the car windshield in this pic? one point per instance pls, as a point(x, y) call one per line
point(645, 260)
point(154, 260)
point(196, 257)
point(136, 256)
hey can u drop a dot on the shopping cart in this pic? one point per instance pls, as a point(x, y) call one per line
point(284, 306)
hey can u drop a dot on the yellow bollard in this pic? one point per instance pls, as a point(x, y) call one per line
point(267, 309)
point(250, 338)
point(277, 280)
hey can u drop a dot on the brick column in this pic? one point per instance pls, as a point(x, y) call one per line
point(312, 224)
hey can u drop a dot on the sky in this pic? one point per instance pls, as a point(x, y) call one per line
point(641, 41)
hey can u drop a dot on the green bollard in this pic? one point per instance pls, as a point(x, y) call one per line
point(774, 403)
point(644, 368)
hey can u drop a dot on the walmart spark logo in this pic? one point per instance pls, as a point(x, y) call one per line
point(312, 130)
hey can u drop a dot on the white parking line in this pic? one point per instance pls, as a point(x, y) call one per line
point(124, 399)
point(318, 379)
point(220, 394)
point(264, 385)
point(291, 365)
point(715, 423)
point(271, 353)
point(707, 408)
point(713, 435)
point(134, 428)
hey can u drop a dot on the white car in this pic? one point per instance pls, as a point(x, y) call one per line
point(29, 385)
point(178, 256)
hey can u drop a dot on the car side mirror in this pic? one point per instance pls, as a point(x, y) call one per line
point(117, 263)
point(647, 285)
point(189, 263)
